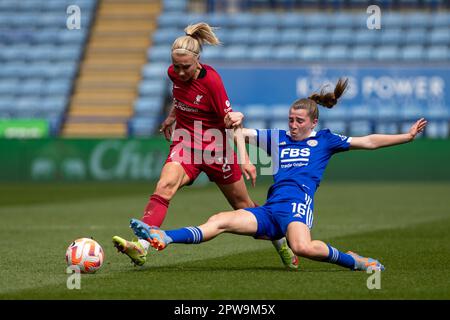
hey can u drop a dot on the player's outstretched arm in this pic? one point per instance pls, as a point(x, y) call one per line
point(375, 141)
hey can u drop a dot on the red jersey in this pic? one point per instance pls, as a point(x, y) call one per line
point(203, 99)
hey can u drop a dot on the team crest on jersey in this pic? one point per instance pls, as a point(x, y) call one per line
point(198, 98)
point(312, 143)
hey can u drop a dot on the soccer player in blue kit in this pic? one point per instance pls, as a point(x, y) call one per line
point(299, 158)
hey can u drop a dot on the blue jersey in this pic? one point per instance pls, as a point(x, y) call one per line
point(299, 164)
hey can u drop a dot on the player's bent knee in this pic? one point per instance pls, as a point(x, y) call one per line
point(216, 219)
point(166, 188)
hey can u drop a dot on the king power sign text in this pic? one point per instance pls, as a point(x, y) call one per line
point(367, 85)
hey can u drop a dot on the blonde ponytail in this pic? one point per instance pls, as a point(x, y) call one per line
point(196, 35)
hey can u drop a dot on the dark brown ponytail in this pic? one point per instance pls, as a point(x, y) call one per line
point(329, 99)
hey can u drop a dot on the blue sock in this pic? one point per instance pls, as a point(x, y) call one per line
point(340, 258)
point(185, 235)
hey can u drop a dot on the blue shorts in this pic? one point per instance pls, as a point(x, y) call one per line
point(274, 217)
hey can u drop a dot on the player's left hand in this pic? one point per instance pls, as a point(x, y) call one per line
point(249, 171)
point(417, 127)
point(233, 119)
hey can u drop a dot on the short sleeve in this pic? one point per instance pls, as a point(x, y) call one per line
point(219, 98)
point(337, 142)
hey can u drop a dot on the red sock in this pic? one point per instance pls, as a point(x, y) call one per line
point(155, 211)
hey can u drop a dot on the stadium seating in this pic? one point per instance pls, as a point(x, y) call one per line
point(303, 33)
point(39, 57)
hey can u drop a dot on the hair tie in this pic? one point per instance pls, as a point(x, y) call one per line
point(190, 35)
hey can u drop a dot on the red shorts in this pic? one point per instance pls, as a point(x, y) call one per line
point(220, 171)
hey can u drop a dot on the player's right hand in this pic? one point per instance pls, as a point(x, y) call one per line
point(167, 127)
point(233, 119)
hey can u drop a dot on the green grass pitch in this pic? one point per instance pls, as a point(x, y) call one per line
point(404, 225)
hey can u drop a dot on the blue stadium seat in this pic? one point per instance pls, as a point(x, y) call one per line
point(317, 37)
point(292, 20)
point(362, 112)
point(154, 71)
point(337, 52)
point(192, 18)
point(342, 36)
point(71, 37)
point(260, 52)
point(418, 20)
point(160, 53)
point(387, 53)
point(242, 20)
point(440, 20)
point(148, 106)
point(240, 36)
point(317, 20)
point(254, 111)
point(391, 36)
point(291, 36)
point(31, 88)
point(219, 20)
point(143, 126)
point(393, 20)
point(269, 20)
point(53, 106)
point(286, 53)
point(440, 36)
point(279, 112)
point(344, 20)
point(166, 36)
point(413, 112)
point(212, 52)
point(6, 103)
point(415, 52)
point(175, 6)
point(438, 53)
point(266, 36)
point(311, 53)
point(153, 87)
point(360, 128)
point(58, 87)
point(415, 36)
point(8, 86)
point(362, 53)
point(387, 111)
point(171, 20)
point(238, 52)
point(384, 127)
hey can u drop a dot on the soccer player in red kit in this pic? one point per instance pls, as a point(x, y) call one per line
point(201, 112)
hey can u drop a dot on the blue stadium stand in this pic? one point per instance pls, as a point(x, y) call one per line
point(40, 57)
point(307, 36)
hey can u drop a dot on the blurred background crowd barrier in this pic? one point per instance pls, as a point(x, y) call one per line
point(99, 73)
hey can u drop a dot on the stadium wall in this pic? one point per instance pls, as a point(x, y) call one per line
point(142, 159)
point(397, 86)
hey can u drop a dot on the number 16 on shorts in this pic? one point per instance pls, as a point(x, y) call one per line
point(302, 209)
